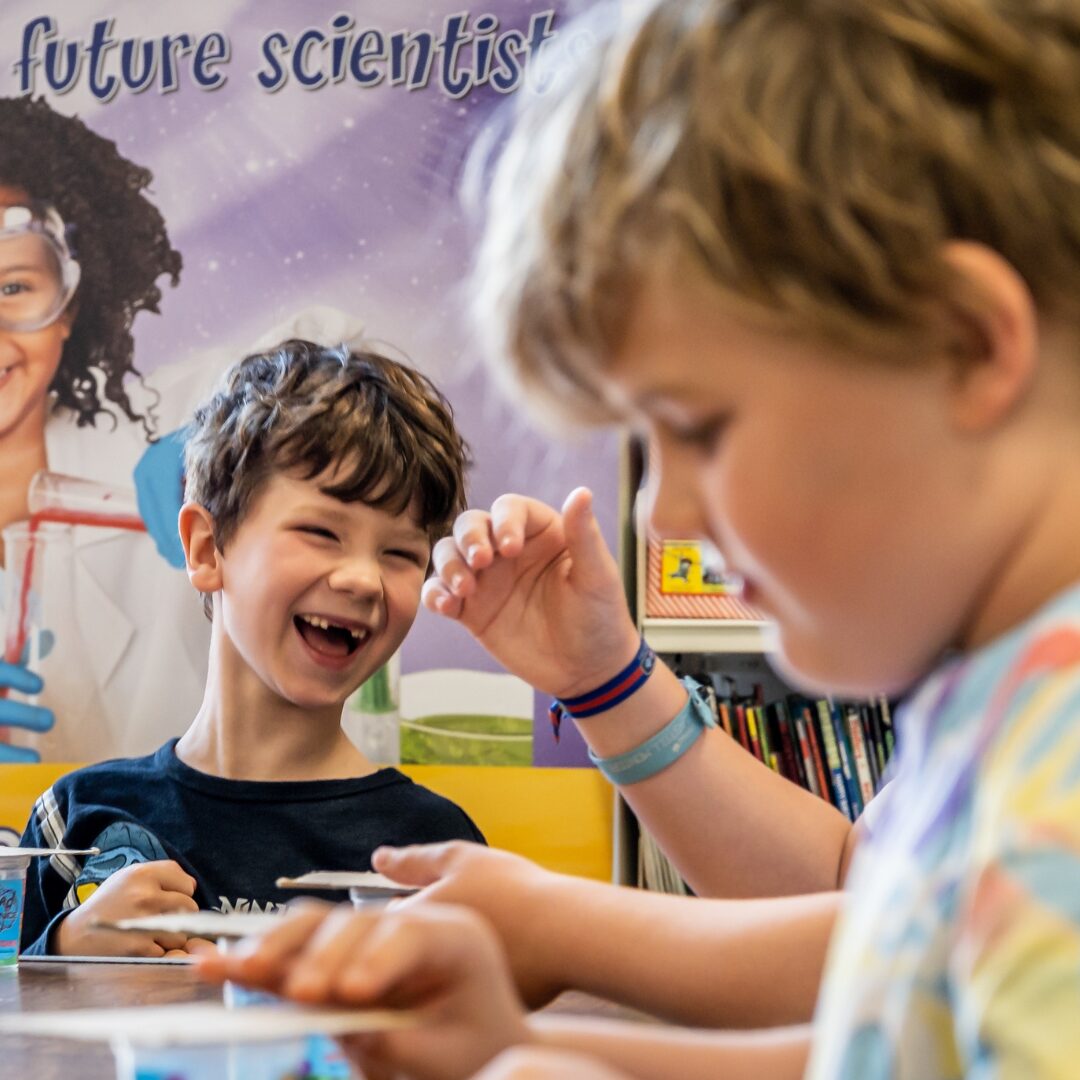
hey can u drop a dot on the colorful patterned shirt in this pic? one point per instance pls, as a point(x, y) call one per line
point(959, 951)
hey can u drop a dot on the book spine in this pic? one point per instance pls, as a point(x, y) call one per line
point(832, 756)
point(868, 742)
point(791, 757)
point(725, 719)
point(743, 729)
point(807, 759)
point(879, 739)
point(847, 760)
point(751, 727)
point(862, 762)
point(887, 727)
point(816, 753)
point(768, 751)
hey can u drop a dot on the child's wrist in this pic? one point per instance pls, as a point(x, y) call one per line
point(603, 668)
point(637, 718)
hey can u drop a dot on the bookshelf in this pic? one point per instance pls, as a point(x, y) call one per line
point(706, 635)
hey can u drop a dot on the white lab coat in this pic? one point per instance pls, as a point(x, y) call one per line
point(144, 639)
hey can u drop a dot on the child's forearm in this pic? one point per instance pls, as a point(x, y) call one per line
point(732, 826)
point(659, 1053)
point(720, 963)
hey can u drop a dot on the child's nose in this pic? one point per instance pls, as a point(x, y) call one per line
point(359, 576)
point(672, 503)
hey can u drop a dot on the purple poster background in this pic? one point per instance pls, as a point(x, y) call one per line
point(341, 195)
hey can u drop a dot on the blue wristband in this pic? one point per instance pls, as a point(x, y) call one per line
point(666, 746)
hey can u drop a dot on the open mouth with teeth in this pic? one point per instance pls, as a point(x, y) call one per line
point(332, 640)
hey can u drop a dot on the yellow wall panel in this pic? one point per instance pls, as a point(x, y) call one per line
point(561, 818)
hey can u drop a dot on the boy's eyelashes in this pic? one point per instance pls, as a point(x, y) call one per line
point(317, 530)
point(420, 558)
point(703, 434)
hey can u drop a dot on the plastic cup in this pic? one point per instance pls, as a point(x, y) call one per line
point(77, 501)
point(316, 1057)
point(261, 1061)
point(362, 899)
point(12, 894)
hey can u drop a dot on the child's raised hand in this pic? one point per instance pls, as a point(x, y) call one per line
point(440, 961)
point(151, 888)
point(520, 899)
point(539, 589)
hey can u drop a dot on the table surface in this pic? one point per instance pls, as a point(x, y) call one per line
point(38, 986)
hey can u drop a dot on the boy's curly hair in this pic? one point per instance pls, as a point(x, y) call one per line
point(307, 409)
point(119, 239)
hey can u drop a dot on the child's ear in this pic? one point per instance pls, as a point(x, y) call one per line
point(996, 341)
point(200, 551)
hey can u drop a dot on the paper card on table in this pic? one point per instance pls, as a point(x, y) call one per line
point(202, 1024)
point(366, 882)
point(23, 852)
point(203, 924)
point(71, 958)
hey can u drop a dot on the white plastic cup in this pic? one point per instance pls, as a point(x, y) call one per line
point(293, 1058)
point(260, 1061)
point(12, 896)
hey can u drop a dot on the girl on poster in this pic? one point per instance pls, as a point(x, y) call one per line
point(82, 251)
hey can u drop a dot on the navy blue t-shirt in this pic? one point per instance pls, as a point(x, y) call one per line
point(235, 837)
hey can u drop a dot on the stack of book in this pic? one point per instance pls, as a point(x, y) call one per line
point(837, 750)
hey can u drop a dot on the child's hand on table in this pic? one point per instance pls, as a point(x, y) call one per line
point(151, 888)
point(515, 895)
point(443, 962)
point(538, 589)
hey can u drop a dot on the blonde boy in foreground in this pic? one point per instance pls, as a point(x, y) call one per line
point(317, 480)
point(826, 254)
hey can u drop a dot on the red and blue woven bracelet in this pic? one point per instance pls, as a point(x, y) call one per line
point(615, 690)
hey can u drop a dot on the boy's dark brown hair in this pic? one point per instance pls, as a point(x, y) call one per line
point(304, 408)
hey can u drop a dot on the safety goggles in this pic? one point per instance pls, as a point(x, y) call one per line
point(38, 273)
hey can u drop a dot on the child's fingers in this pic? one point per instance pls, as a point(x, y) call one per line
point(451, 568)
point(262, 960)
point(175, 901)
point(171, 943)
point(172, 878)
point(418, 864)
point(438, 598)
point(473, 537)
point(407, 958)
point(337, 944)
point(584, 540)
point(509, 521)
point(195, 946)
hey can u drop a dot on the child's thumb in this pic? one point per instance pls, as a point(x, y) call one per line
point(584, 540)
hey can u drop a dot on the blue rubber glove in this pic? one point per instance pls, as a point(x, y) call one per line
point(159, 489)
point(19, 714)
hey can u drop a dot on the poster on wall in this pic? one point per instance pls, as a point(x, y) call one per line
point(197, 183)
